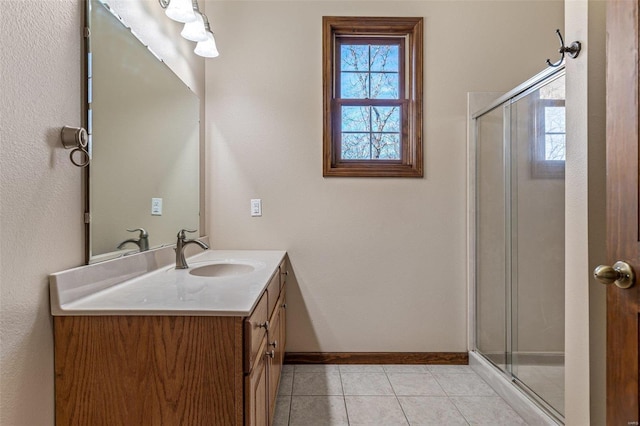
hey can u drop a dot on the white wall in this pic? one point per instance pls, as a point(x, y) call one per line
point(41, 229)
point(380, 263)
point(585, 215)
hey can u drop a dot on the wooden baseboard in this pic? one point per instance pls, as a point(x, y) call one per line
point(446, 358)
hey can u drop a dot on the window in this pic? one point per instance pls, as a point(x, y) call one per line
point(549, 147)
point(372, 81)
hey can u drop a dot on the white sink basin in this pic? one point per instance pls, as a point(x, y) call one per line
point(222, 269)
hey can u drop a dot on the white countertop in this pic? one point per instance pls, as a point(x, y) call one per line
point(165, 290)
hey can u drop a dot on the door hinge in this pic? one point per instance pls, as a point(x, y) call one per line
point(87, 217)
point(87, 32)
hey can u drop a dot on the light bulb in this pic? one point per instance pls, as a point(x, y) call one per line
point(207, 48)
point(181, 11)
point(195, 30)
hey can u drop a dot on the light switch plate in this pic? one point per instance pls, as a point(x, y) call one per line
point(156, 206)
point(256, 207)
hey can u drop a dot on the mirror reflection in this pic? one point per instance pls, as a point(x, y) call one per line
point(144, 139)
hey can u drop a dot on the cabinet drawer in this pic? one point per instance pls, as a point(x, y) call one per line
point(255, 327)
point(273, 292)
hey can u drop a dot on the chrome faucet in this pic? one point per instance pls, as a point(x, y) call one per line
point(142, 241)
point(181, 262)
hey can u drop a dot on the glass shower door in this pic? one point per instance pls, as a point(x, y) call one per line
point(519, 237)
point(491, 234)
point(537, 241)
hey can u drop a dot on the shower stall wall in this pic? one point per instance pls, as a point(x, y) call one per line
point(519, 237)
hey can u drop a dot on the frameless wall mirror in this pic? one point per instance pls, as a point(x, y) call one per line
point(143, 125)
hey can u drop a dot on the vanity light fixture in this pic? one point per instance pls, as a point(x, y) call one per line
point(195, 30)
point(179, 10)
point(208, 48)
point(196, 25)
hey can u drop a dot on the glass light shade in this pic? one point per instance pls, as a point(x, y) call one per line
point(195, 31)
point(181, 11)
point(207, 48)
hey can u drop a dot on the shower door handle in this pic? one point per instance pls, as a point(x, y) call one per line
point(621, 274)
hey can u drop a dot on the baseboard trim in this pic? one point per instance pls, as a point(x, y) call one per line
point(446, 358)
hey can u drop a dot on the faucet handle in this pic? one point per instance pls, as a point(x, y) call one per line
point(181, 235)
point(143, 232)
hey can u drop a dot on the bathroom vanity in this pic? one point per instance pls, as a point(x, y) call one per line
point(199, 346)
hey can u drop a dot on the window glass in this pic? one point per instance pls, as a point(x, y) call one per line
point(554, 133)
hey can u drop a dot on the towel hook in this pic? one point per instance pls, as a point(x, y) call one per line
point(573, 50)
point(76, 139)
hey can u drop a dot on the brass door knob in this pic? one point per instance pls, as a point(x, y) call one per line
point(621, 274)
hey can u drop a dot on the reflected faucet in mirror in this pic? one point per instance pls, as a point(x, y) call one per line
point(181, 262)
point(142, 241)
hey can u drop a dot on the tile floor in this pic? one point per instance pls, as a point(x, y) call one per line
point(388, 395)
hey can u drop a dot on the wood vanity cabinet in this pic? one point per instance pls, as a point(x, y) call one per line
point(263, 371)
point(172, 370)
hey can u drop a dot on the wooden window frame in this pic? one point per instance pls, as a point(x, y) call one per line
point(411, 30)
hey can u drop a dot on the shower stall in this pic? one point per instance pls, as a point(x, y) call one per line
point(518, 248)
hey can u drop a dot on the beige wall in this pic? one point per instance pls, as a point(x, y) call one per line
point(379, 263)
point(41, 229)
point(585, 220)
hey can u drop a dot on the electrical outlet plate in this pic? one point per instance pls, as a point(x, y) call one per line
point(156, 206)
point(256, 207)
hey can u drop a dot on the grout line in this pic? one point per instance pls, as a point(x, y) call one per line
point(386, 373)
point(293, 378)
point(458, 410)
point(344, 397)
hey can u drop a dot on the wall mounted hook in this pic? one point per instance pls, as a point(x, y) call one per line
point(573, 50)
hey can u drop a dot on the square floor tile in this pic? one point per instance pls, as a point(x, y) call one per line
point(317, 368)
point(318, 411)
point(361, 368)
point(491, 411)
point(451, 369)
point(317, 384)
point(405, 368)
point(464, 385)
point(374, 410)
point(431, 411)
point(288, 368)
point(286, 384)
point(415, 384)
point(283, 405)
point(366, 384)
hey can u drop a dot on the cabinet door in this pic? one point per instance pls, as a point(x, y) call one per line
point(275, 361)
point(257, 391)
point(275, 351)
point(283, 322)
point(255, 328)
